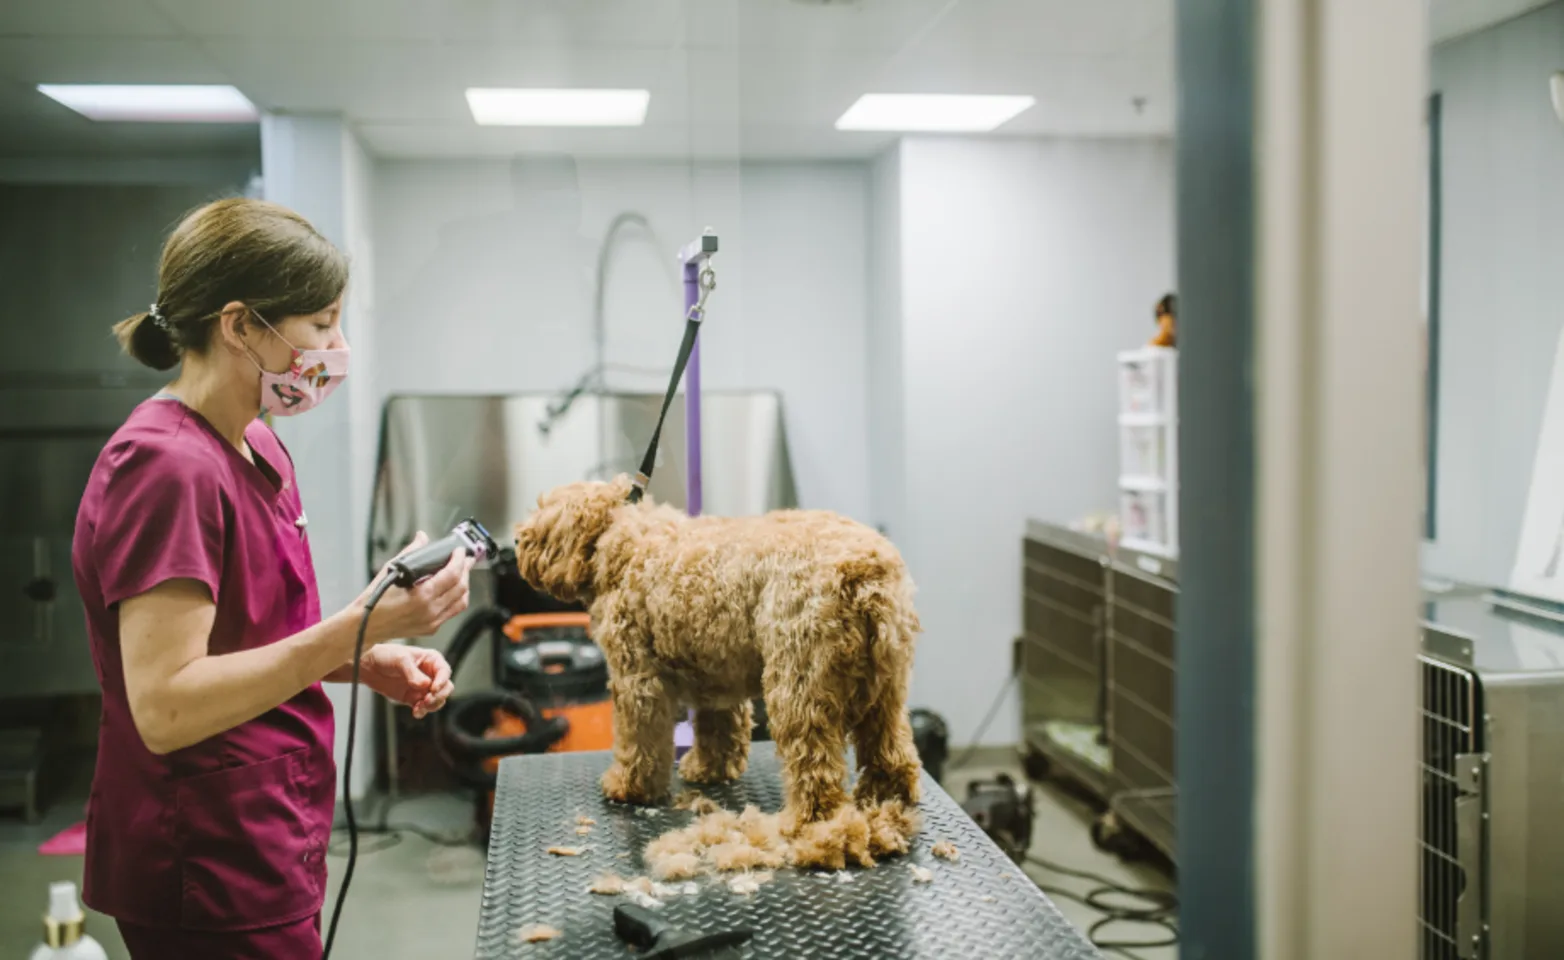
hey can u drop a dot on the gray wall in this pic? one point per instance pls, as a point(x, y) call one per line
point(1502, 283)
point(887, 389)
point(74, 259)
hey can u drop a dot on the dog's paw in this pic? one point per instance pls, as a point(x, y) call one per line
point(891, 828)
point(697, 767)
point(620, 787)
point(833, 844)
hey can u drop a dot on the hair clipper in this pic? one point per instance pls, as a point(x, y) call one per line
point(469, 537)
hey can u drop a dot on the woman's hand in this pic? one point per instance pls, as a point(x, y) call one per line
point(412, 676)
point(421, 610)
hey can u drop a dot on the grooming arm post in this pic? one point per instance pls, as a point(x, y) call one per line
point(694, 256)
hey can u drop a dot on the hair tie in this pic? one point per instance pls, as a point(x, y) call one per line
point(158, 320)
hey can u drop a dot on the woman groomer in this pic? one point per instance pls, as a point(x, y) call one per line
point(212, 800)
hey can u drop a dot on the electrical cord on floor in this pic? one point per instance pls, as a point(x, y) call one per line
point(391, 834)
point(977, 738)
point(1161, 908)
point(387, 580)
point(406, 570)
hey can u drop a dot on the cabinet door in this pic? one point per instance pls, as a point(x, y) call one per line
point(43, 634)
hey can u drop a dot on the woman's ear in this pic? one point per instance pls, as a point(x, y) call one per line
point(232, 325)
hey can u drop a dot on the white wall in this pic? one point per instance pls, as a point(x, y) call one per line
point(486, 271)
point(1025, 266)
point(1502, 284)
point(887, 388)
point(362, 387)
point(315, 166)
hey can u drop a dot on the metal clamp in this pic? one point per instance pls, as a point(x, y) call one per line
point(708, 283)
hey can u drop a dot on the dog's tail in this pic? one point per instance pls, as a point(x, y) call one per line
point(878, 593)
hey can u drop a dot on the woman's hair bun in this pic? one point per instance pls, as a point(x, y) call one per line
point(148, 341)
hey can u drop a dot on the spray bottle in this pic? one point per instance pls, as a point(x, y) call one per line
point(63, 938)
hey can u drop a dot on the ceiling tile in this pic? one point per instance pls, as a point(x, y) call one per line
point(83, 18)
point(1044, 27)
point(551, 22)
point(105, 60)
point(1065, 87)
point(772, 87)
point(425, 80)
point(759, 78)
point(869, 26)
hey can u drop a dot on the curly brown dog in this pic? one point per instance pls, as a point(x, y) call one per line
point(808, 609)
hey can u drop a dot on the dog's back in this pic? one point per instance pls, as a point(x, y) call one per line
point(781, 557)
point(805, 585)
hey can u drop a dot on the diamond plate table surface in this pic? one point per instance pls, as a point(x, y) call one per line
point(981, 906)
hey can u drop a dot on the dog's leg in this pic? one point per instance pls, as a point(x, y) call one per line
point(888, 768)
point(721, 750)
point(808, 724)
point(812, 749)
point(643, 740)
point(887, 757)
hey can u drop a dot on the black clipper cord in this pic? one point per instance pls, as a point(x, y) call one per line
point(470, 538)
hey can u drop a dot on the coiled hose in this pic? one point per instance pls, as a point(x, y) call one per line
point(460, 734)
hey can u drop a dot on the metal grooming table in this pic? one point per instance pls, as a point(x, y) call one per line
point(983, 906)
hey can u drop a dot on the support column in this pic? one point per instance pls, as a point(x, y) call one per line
point(1215, 745)
point(1299, 181)
point(315, 166)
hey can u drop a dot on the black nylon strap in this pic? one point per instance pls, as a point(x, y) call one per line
point(691, 329)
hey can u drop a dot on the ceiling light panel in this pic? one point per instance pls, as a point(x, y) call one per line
point(932, 113)
point(154, 103)
point(511, 107)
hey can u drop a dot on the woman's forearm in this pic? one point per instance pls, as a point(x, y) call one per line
point(213, 694)
point(343, 674)
point(180, 694)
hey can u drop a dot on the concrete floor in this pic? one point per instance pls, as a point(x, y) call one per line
point(1061, 835)
point(417, 899)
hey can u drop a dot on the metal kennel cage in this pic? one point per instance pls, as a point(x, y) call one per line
point(1142, 639)
point(1097, 677)
point(1491, 823)
point(1062, 654)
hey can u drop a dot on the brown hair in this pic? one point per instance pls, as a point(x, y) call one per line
point(258, 253)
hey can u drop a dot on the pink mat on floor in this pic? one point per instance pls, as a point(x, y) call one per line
point(70, 842)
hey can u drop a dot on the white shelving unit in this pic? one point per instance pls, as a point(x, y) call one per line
point(1148, 450)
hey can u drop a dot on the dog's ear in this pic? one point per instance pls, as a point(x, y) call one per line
point(535, 547)
point(555, 546)
point(529, 548)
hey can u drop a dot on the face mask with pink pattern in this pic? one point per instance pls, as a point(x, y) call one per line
point(311, 376)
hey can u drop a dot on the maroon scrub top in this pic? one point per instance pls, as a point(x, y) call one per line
point(230, 833)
